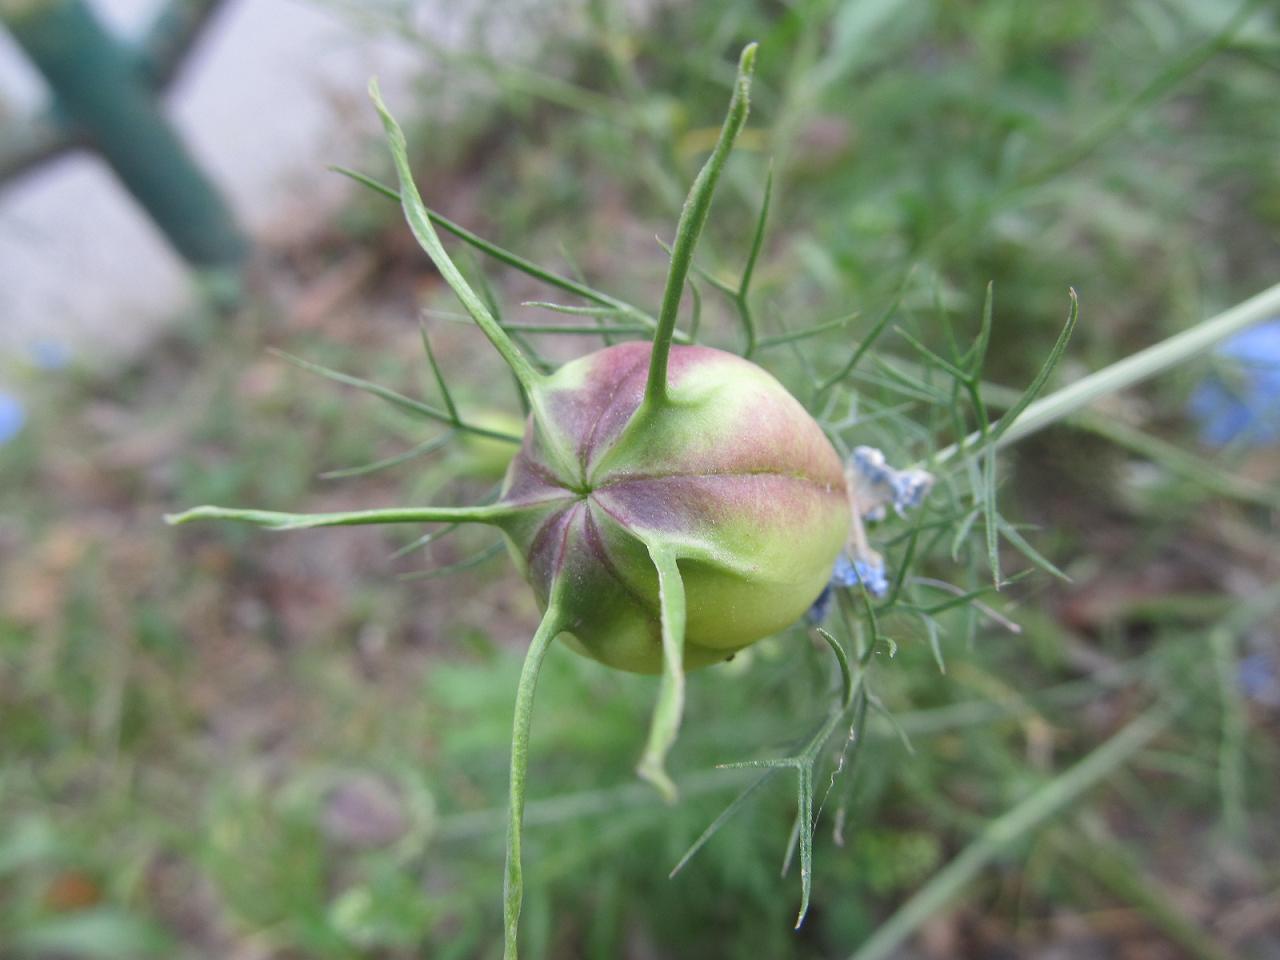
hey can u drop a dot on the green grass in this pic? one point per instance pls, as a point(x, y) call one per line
point(185, 717)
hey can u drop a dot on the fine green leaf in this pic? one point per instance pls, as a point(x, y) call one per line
point(398, 400)
point(724, 816)
point(1042, 375)
point(859, 351)
point(743, 297)
point(506, 256)
point(571, 310)
point(470, 563)
point(439, 376)
point(805, 333)
point(421, 450)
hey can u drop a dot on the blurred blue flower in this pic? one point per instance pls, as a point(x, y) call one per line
point(1242, 401)
point(877, 485)
point(868, 573)
point(1259, 679)
point(821, 607)
point(845, 573)
point(49, 354)
point(873, 486)
point(12, 416)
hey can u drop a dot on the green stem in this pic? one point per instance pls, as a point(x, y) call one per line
point(513, 886)
point(1133, 369)
point(420, 450)
point(692, 219)
point(1107, 861)
point(491, 514)
point(529, 378)
point(803, 763)
point(420, 223)
point(670, 706)
point(846, 674)
point(1049, 800)
point(1172, 458)
point(577, 331)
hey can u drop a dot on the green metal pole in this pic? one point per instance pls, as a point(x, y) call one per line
point(99, 88)
point(169, 37)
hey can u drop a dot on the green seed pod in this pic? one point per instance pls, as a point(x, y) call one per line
point(733, 477)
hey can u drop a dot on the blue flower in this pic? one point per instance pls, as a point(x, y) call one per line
point(1258, 679)
point(821, 607)
point(49, 354)
point(1242, 401)
point(873, 486)
point(868, 573)
point(877, 485)
point(12, 416)
point(871, 575)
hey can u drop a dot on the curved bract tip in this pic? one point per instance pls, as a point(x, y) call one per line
point(653, 772)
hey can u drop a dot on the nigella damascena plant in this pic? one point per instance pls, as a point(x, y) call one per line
point(669, 504)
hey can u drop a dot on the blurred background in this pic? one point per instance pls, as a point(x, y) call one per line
point(221, 742)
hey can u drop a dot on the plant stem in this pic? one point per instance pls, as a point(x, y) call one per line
point(1026, 816)
point(803, 763)
point(513, 885)
point(1172, 458)
point(1133, 369)
point(529, 378)
point(1106, 860)
point(693, 218)
point(420, 223)
point(492, 514)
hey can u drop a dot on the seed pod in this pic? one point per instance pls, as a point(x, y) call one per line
point(734, 478)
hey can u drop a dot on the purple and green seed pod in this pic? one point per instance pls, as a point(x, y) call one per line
point(733, 477)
